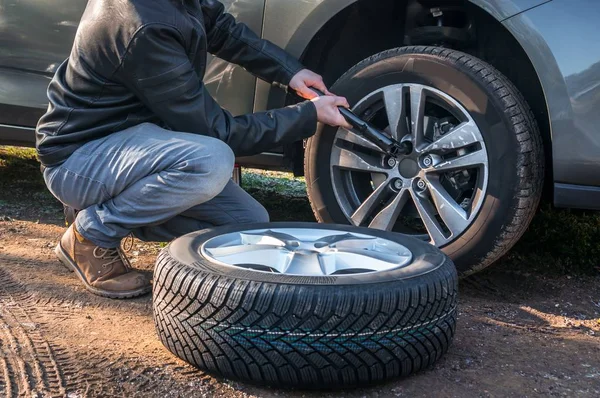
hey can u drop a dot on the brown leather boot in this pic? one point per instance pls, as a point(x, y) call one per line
point(105, 272)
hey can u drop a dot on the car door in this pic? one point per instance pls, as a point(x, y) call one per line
point(229, 84)
point(36, 36)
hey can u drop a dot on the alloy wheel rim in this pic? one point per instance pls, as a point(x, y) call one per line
point(306, 252)
point(437, 190)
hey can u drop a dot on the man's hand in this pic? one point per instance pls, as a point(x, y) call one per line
point(328, 112)
point(327, 106)
point(305, 79)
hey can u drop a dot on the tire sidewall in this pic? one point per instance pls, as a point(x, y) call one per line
point(485, 107)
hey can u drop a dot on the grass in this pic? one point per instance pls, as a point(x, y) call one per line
point(17, 162)
point(281, 193)
point(274, 182)
point(558, 242)
point(23, 193)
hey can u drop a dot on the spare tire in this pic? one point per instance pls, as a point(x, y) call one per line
point(305, 305)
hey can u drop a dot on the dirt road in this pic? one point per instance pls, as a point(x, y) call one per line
point(518, 335)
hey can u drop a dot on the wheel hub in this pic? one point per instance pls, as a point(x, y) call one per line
point(374, 190)
point(409, 168)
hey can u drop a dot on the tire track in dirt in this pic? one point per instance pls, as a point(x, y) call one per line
point(7, 362)
point(31, 366)
point(35, 362)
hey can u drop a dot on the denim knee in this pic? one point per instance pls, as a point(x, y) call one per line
point(220, 166)
point(212, 164)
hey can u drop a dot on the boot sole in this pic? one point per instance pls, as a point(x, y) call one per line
point(68, 262)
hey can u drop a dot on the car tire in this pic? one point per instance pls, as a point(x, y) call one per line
point(304, 331)
point(511, 141)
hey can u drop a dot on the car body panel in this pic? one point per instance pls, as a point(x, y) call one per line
point(570, 75)
point(36, 36)
point(503, 9)
point(292, 25)
point(230, 84)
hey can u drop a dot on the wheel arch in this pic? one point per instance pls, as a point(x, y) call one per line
point(313, 39)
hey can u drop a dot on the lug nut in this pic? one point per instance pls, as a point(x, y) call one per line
point(421, 185)
point(391, 162)
point(398, 184)
point(428, 161)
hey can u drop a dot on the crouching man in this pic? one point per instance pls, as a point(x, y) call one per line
point(133, 140)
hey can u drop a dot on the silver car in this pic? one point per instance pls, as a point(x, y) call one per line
point(500, 100)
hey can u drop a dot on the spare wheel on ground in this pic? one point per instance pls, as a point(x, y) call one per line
point(305, 305)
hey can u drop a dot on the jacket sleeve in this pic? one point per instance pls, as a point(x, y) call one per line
point(156, 68)
point(235, 42)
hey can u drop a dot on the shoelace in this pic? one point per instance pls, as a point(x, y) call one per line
point(114, 255)
point(111, 255)
point(127, 243)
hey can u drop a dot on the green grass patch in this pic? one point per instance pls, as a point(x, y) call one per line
point(17, 162)
point(20, 176)
point(558, 241)
point(281, 183)
point(282, 194)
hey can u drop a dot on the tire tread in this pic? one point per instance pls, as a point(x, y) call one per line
point(302, 335)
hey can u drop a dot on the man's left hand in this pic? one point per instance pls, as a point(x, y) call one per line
point(305, 79)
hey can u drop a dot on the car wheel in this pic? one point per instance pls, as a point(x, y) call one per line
point(305, 305)
point(473, 180)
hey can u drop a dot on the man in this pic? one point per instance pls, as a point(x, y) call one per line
point(133, 139)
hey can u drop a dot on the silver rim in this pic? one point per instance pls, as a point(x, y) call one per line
point(306, 251)
point(436, 191)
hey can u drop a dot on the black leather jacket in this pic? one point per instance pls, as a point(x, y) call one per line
point(141, 61)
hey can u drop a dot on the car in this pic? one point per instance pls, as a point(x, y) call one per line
point(499, 100)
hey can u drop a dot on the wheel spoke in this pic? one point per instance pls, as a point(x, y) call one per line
point(468, 161)
point(358, 260)
point(305, 264)
point(354, 244)
point(417, 114)
point(356, 139)
point(356, 161)
point(265, 238)
point(454, 216)
point(386, 218)
point(372, 245)
point(396, 110)
point(276, 258)
point(240, 250)
point(369, 205)
point(369, 255)
point(427, 213)
point(336, 239)
point(327, 263)
point(462, 136)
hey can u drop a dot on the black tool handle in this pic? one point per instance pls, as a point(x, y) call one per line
point(371, 133)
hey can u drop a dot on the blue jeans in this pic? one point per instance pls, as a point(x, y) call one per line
point(156, 183)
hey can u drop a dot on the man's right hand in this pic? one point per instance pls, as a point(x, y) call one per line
point(328, 112)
